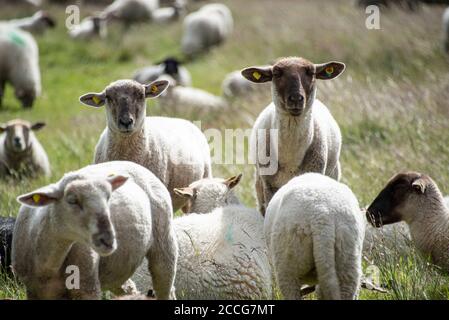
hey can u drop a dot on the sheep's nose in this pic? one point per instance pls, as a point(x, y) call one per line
point(17, 141)
point(295, 99)
point(127, 122)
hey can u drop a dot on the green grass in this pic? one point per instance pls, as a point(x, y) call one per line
point(391, 103)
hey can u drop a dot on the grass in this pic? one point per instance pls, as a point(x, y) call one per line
point(391, 103)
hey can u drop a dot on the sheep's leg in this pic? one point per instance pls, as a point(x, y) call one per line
point(289, 286)
point(128, 288)
point(260, 195)
point(162, 258)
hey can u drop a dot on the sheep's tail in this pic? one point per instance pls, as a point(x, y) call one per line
point(325, 263)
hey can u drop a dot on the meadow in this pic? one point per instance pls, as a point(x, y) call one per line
point(392, 102)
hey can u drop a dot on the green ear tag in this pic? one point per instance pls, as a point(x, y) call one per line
point(36, 198)
point(329, 71)
point(256, 75)
point(96, 100)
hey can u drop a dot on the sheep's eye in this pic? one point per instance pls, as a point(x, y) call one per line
point(72, 200)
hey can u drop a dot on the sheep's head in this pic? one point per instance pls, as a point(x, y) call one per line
point(18, 134)
point(404, 197)
point(293, 81)
point(45, 19)
point(125, 103)
point(81, 209)
point(205, 195)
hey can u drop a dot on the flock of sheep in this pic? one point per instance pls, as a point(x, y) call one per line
point(114, 221)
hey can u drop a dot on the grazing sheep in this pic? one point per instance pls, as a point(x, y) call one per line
point(19, 64)
point(415, 198)
point(168, 14)
point(37, 24)
point(169, 66)
point(222, 254)
point(310, 138)
point(175, 150)
point(130, 11)
point(314, 231)
point(211, 25)
point(103, 219)
point(6, 229)
point(89, 28)
point(235, 85)
point(20, 151)
point(446, 29)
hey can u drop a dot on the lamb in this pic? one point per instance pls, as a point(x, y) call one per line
point(446, 29)
point(211, 25)
point(311, 138)
point(102, 221)
point(6, 229)
point(20, 151)
point(169, 66)
point(235, 85)
point(416, 199)
point(38, 23)
point(314, 232)
point(130, 11)
point(89, 28)
point(177, 157)
point(222, 253)
point(19, 62)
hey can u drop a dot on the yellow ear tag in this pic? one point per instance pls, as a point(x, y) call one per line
point(96, 99)
point(36, 198)
point(154, 89)
point(256, 75)
point(111, 174)
point(329, 71)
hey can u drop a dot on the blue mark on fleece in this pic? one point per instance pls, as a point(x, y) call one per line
point(228, 235)
point(16, 38)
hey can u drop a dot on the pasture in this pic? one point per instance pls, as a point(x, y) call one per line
point(392, 102)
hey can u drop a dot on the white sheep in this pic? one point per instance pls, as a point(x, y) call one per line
point(19, 62)
point(416, 199)
point(314, 231)
point(222, 254)
point(37, 23)
point(20, 150)
point(130, 11)
point(175, 150)
point(85, 222)
point(306, 137)
point(211, 25)
point(169, 66)
point(169, 13)
point(234, 85)
point(446, 29)
point(89, 28)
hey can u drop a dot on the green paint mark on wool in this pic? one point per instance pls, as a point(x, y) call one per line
point(228, 235)
point(16, 38)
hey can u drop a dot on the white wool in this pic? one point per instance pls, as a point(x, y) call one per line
point(89, 28)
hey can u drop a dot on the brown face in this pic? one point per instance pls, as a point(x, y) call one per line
point(385, 209)
point(294, 81)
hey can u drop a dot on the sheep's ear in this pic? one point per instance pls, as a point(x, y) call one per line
point(419, 185)
point(187, 192)
point(155, 88)
point(329, 70)
point(38, 125)
point(93, 99)
point(41, 197)
point(258, 74)
point(233, 181)
point(117, 181)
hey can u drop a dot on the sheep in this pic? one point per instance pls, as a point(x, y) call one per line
point(415, 198)
point(37, 24)
point(6, 229)
point(235, 85)
point(20, 151)
point(222, 254)
point(211, 25)
point(19, 64)
point(175, 150)
point(314, 232)
point(130, 11)
point(446, 29)
point(169, 66)
point(101, 220)
point(310, 137)
point(89, 28)
point(169, 13)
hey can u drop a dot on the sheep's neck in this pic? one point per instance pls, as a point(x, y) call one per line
point(54, 247)
point(127, 147)
point(16, 159)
